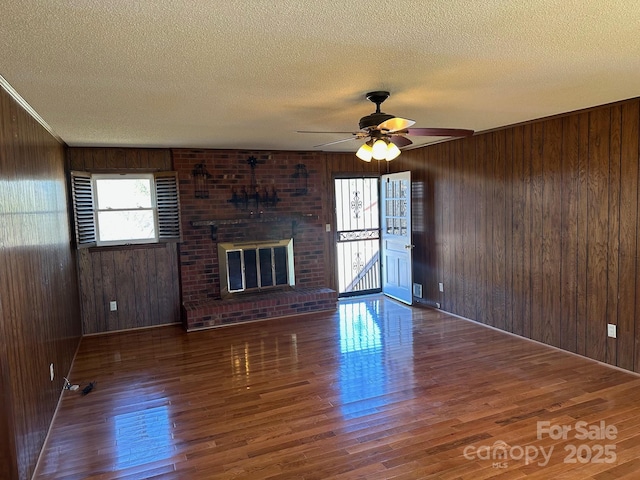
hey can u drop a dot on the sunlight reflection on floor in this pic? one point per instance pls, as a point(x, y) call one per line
point(142, 436)
point(376, 345)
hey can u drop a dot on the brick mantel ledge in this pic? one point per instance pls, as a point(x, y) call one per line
point(259, 218)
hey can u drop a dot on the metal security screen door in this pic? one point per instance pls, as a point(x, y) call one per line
point(397, 276)
point(358, 235)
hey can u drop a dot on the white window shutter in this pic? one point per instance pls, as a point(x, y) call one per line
point(83, 209)
point(168, 203)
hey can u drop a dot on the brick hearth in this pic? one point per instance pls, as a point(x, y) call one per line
point(257, 306)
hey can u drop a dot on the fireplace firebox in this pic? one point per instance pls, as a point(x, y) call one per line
point(256, 266)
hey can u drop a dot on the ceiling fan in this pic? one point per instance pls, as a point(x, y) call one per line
point(387, 133)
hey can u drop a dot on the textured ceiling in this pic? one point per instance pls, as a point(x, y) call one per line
point(248, 74)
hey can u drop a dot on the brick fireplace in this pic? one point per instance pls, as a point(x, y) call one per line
point(223, 213)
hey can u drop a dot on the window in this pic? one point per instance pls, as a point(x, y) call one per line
point(125, 209)
point(122, 209)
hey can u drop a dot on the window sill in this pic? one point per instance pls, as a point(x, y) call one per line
point(131, 246)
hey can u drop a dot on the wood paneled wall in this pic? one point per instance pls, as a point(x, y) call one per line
point(534, 229)
point(39, 313)
point(143, 280)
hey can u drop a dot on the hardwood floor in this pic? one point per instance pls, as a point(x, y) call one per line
point(375, 390)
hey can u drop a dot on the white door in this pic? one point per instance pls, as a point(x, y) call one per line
point(397, 278)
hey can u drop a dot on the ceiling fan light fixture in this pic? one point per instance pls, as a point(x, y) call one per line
point(392, 152)
point(365, 152)
point(379, 149)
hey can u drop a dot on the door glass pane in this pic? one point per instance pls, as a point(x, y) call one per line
point(357, 204)
point(396, 208)
point(403, 189)
point(359, 264)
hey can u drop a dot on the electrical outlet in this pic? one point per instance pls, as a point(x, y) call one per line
point(113, 306)
point(441, 286)
point(51, 372)
point(327, 227)
point(417, 290)
point(611, 330)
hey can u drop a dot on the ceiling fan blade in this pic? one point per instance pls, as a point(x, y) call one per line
point(439, 132)
point(394, 124)
point(333, 143)
point(314, 131)
point(400, 141)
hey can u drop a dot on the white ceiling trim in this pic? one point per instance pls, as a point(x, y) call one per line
point(6, 86)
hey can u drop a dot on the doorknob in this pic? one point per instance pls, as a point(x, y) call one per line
point(408, 247)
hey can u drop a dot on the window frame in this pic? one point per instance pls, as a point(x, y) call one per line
point(166, 199)
point(154, 208)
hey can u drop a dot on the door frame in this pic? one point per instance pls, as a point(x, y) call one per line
point(335, 236)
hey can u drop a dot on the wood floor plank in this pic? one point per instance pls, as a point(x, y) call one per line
point(376, 390)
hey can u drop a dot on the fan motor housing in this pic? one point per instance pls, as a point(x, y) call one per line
point(374, 120)
point(377, 117)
